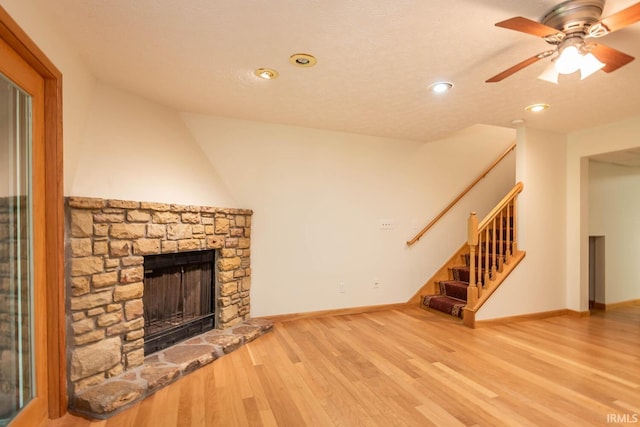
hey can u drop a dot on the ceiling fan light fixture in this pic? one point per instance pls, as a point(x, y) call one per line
point(550, 74)
point(589, 65)
point(569, 60)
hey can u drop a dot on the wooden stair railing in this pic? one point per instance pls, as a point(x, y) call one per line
point(492, 245)
point(460, 196)
point(489, 255)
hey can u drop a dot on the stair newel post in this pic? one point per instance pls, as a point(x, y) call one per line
point(472, 241)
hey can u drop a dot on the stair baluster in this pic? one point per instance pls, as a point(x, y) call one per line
point(489, 255)
point(508, 234)
point(514, 245)
point(486, 267)
point(479, 279)
point(501, 245)
point(494, 253)
point(472, 241)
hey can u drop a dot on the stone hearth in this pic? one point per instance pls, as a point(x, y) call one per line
point(163, 368)
point(106, 241)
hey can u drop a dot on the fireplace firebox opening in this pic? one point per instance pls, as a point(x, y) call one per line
point(179, 297)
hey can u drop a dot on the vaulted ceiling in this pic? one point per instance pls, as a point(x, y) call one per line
point(376, 59)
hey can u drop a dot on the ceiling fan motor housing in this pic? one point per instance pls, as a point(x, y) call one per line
point(574, 16)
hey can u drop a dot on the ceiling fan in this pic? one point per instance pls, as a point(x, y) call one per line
point(569, 27)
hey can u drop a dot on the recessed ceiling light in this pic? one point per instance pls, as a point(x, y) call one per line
point(303, 60)
point(536, 108)
point(440, 87)
point(266, 73)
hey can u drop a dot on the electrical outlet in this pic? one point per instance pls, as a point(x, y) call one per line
point(387, 224)
point(341, 287)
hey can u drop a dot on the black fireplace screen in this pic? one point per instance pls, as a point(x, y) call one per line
point(178, 297)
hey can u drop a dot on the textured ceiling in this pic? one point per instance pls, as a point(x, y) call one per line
point(376, 59)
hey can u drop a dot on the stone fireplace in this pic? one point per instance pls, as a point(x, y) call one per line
point(107, 242)
point(178, 298)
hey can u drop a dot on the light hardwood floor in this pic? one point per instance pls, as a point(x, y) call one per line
point(408, 367)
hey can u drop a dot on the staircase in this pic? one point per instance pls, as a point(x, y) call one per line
point(452, 295)
point(474, 272)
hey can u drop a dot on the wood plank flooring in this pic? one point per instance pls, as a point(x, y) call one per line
point(409, 367)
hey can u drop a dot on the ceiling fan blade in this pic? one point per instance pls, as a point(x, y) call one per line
point(621, 19)
point(525, 25)
point(509, 71)
point(612, 58)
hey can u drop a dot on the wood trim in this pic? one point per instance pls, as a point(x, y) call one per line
point(19, 41)
point(278, 318)
point(25, 77)
point(522, 318)
point(579, 314)
point(53, 204)
point(54, 208)
point(460, 196)
point(603, 306)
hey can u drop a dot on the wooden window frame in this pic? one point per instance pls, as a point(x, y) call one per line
point(53, 200)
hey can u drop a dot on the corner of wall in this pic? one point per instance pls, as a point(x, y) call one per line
point(135, 149)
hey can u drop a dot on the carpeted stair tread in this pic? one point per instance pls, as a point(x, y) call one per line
point(454, 288)
point(495, 243)
point(461, 273)
point(445, 304)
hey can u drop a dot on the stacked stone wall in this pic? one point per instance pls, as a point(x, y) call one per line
point(106, 241)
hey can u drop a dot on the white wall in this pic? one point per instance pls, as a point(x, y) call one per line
point(318, 198)
point(538, 283)
point(111, 137)
point(77, 81)
point(614, 203)
point(613, 137)
point(134, 149)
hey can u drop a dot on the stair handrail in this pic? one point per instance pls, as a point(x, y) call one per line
point(460, 196)
point(501, 205)
point(498, 255)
